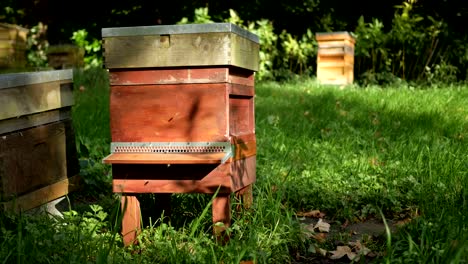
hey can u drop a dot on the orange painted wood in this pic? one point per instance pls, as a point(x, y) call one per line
point(187, 178)
point(334, 36)
point(244, 149)
point(157, 158)
point(191, 75)
point(238, 89)
point(169, 113)
point(221, 214)
point(131, 219)
point(243, 173)
point(241, 115)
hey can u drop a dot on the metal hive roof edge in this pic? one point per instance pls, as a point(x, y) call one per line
point(27, 78)
point(179, 29)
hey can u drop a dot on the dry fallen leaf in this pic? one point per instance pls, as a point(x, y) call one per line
point(322, 252)
point(320, 237)
point(322, 226)
point(313, 213)
point(359, 248)
point(342, 251)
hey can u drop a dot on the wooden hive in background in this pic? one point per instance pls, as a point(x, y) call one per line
point(38, 160)
point(65, 56)
point(335, 58)
point(12, 46)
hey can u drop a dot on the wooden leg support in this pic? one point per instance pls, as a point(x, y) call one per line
point(131, 219)
point(245, 198)
point(221, 217)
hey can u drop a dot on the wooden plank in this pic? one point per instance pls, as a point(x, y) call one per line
point(131, 219)
point(156, 158)
point(221, 215)
point(241, 115)
point(245, 53)
point(201, 49)
point(205, 178)
point(335, 43)
point(347, 58)
point(34, 98)
point(169, 76)
point(335, 51)
point(43, 195)
point(181, 178)
point(243, 173)
point(169, 113)
point(241, 76)
point(38, 119)
point(243, 150)
point(36, 157)
point(333, 36)
point(184, 50)
point(243, 90)
point(181, 76)
point(333, 64)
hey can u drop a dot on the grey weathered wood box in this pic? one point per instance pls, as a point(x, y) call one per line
point(180, 45)
point(38, 161)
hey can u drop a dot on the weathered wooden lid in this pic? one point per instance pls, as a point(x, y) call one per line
point(179, 29)
point(185, 45)
point(27, 78)
point(338, 35)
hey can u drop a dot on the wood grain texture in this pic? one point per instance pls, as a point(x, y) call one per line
point(156, 158)
point(33, 120)
point(245, 53)
point(169, 113)
point(131, 220)
point(37, 157)
point(201, 49)
point(43, 195)
point(334, 36)
point(241, 115)
point(221, 216)
point(187, 178)
point(34, 98)
point(188, 75)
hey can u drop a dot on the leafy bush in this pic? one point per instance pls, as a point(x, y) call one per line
point(92, 47)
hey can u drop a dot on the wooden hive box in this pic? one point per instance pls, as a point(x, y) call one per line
point(335, 58)
point(38, 161)
point(65, 56)
point(182, 95)
point(12, 46)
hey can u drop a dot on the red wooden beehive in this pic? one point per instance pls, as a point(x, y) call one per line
point(182, 113)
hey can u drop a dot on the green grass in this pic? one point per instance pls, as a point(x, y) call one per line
point(351, 153)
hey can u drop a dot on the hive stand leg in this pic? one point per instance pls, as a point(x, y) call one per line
point(221, 214)
point(131, 219)
point(245, 198)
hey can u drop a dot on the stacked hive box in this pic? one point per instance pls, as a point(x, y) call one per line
point(182, 113)
point(335, 58)
point(12, 45)
point(38, 161)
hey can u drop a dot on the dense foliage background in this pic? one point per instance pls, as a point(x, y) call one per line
point(412, 40)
